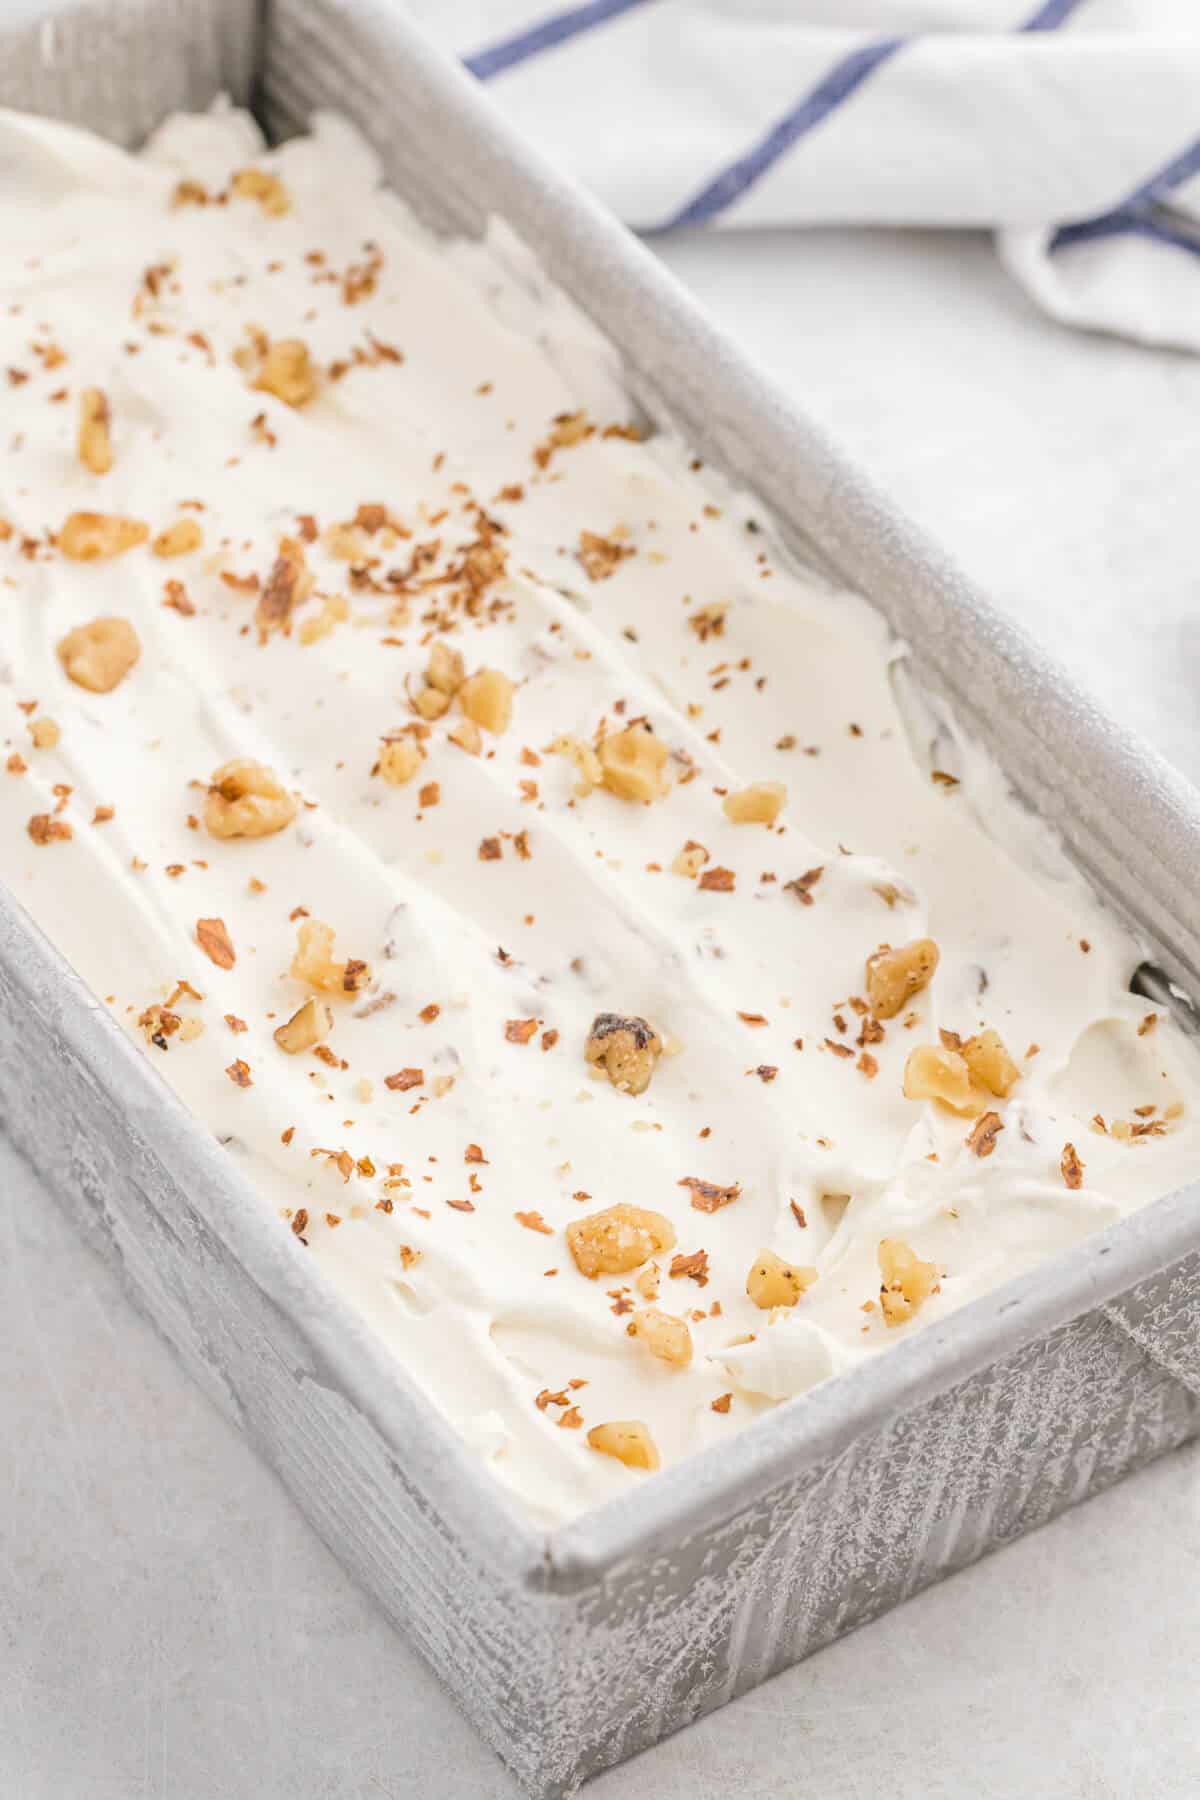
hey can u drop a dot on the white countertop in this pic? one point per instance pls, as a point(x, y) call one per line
point(170, 1629)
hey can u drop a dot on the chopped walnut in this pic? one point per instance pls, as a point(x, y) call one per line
point(178, 539)
point(288, 584)
point(268, 190)
point(91, 536)
point(618, 1239)
point(935, 1073)
point(100, 654)
point(313, 962)
point(664, 1336)
point(759, 804)
point(707, 1196)
point(634, 764)
point(1071, 1167)
point(690, 860)
point(465, 733)
point(94, 443)
point(399, 760)
point(43, 828)
point(585, 760)
point(907, 1281)
point(989, 1062)
point(213, 937)
point(286, 370)
point(773, 1282)
point(247, 800)
point(626, 1048)
point(486, 698)
point(894, 976)
point(45, 733)
point(445, 671)
point(601, 556)
point(628, 1440)
point(308, 1026)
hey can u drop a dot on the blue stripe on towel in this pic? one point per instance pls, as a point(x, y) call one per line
point(1050, 15)
point(557, 29)
point(842, 80)
point(1136, 214)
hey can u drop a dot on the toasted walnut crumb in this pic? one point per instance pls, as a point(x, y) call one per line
point(16, 764)
point(585, 760)
point(773, 1282)
point(45, 733)
point(707, 1196)
point(759, 804)
point(802, 885)
point(985, 1131)
point(178, 539)
point(709, 621)
point(216, 943)
point(664, 1335)
point(618, 1239)
point(256, 184)
point(465, 734)
point(404, 1079)
point(399, 760)
point(94, 442)
point(646, 1281)
point(533, 1221)
point(722, 1403)
point(894, 976)
point(45, 829)
point(634, 764)
point(92, 536)
point(519, 1031)
point(445, 671)
point(718, 881)
point(98, 655)
point(313, 962)
point(907, 1281)
point(694, 1265)
point(1071, 1166)
point(601, 556)
point(1147, 1024)
point(288, 584)
point(935, 1073)
point(286, 370)
point(626, 1048)
point(157, 1024)
point(308, 1026)
point(628, 1440)
point(246, 799)
point(239, 1073)
point(486, 698)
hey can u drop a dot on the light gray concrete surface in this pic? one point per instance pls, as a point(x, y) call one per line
point(169, 1627)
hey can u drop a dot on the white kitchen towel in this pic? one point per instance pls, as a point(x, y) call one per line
point(1069, 127)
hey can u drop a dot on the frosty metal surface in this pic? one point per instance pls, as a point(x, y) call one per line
point(575, 1648)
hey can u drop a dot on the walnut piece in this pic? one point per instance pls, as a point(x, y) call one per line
point(286, 370)
point(627, 1049)
point(91, 536)
point(399, 760)
point(690, 860)
point(629, 1441)
point(98, 655)
point(894, 976)
point(247, 800)
point(94, 442)
point(178, 539)
point(664, 1336)
point(466, 734)
point(308, 1026)
point(445, 671)
point(984, 1132)
point(773, 1282)
point(989, 1062)
point(585, 760)
point(486, 698)
point(268, 190)
point(618, 1239)
point(289, 583)
point(935, 1073)
point(759, 804)
point(907, 1281)
point(633, 764)
point(313, 962)
point(601, 556)
point(1071, 1166)
point(45, 733)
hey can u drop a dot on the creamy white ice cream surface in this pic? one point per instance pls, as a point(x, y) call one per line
point(307, 456)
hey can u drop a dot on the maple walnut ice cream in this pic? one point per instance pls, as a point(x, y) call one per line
point(596, 958)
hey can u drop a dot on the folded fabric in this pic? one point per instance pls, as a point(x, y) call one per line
point(1069, 127)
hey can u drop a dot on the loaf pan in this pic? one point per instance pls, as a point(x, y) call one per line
point(574, 1648)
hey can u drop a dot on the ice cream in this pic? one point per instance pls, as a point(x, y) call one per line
point(599, 958)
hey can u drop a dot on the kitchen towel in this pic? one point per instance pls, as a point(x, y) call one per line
point(1070, 128)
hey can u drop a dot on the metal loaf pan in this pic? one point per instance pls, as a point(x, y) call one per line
point(574, 1649)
